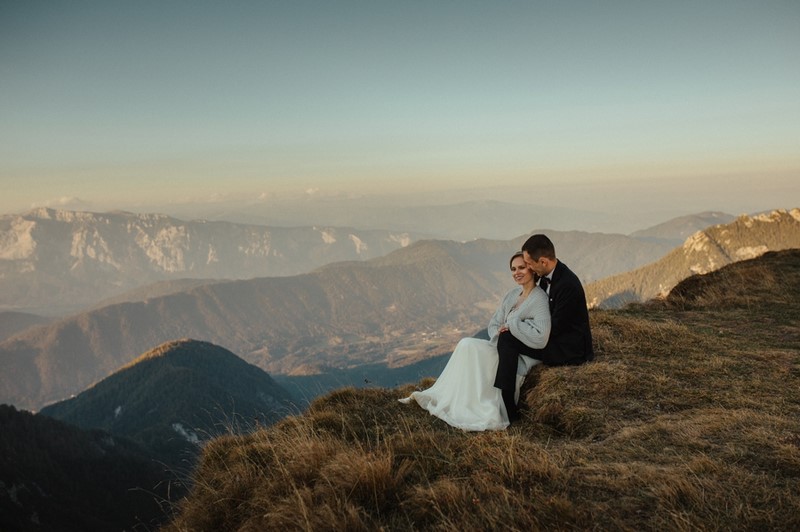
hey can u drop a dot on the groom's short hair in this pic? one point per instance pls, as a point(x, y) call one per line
point(539, 246)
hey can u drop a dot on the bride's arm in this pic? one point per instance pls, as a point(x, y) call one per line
point(531, 325)
point(499, 317)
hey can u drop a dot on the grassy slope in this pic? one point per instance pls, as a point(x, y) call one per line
point(689, 418)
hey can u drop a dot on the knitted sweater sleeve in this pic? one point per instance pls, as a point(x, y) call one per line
point(531, 322)
point(499, 317)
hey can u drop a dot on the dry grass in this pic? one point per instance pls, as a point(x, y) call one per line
point(688, 419)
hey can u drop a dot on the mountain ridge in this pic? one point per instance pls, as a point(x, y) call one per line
point(12, 322)
point(59, 261)
point(69, 259)
point(677, 230)
point(409, 305)
point(707, 250)
point(340, 315)
point(350, 305)
point(55, 476)
point(175, 396)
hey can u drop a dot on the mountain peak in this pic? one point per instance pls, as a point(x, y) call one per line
point(772, 216)
point(182, 351)
point(675, 231)
point(710, 249)
point(765, 280)
point(187, 388)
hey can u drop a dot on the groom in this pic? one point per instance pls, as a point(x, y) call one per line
point(570, 340)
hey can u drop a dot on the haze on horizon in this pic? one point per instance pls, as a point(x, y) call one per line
point(651, 110)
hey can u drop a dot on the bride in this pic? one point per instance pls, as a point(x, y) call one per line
point(464, 394)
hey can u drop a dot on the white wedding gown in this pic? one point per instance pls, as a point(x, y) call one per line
point(464, 394)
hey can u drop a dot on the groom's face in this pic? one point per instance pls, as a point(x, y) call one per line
point(539, 267)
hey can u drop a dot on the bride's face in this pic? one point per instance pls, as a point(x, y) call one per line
point(520, 271)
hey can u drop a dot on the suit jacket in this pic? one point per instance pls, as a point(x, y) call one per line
point(570, 340)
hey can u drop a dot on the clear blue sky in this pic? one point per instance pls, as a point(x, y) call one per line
point(123, 103)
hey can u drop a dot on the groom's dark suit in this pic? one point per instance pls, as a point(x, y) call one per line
point(570, 341)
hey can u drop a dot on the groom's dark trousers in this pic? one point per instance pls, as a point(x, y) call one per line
point(508, 349)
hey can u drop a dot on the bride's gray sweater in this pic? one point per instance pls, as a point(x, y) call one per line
point(528, 323)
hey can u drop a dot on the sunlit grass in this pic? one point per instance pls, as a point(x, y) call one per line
point(689, 418)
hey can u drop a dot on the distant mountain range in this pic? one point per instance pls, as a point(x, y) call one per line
point(176, 396)
point(674, 232)
point(391, 309)
point(53, 261)
point(13, 322)
point(54, 476)
point(708, 250)
point(453, 220)
point(407, 306)
point(489, 219)
point(56, 262)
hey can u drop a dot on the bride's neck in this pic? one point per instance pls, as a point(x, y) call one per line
point(526, 288)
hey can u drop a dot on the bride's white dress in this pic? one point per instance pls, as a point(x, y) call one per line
point(464, 394)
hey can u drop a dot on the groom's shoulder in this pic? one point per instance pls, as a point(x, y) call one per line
point(565, 273)
point(563, 269)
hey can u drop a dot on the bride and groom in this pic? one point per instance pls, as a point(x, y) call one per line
point(542, 320)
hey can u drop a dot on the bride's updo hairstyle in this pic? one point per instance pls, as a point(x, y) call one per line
point(514, 256)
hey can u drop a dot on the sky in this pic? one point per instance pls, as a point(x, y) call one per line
point(668, 107)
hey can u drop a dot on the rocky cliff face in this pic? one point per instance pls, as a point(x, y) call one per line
point(51, 258)
point(744, 238)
